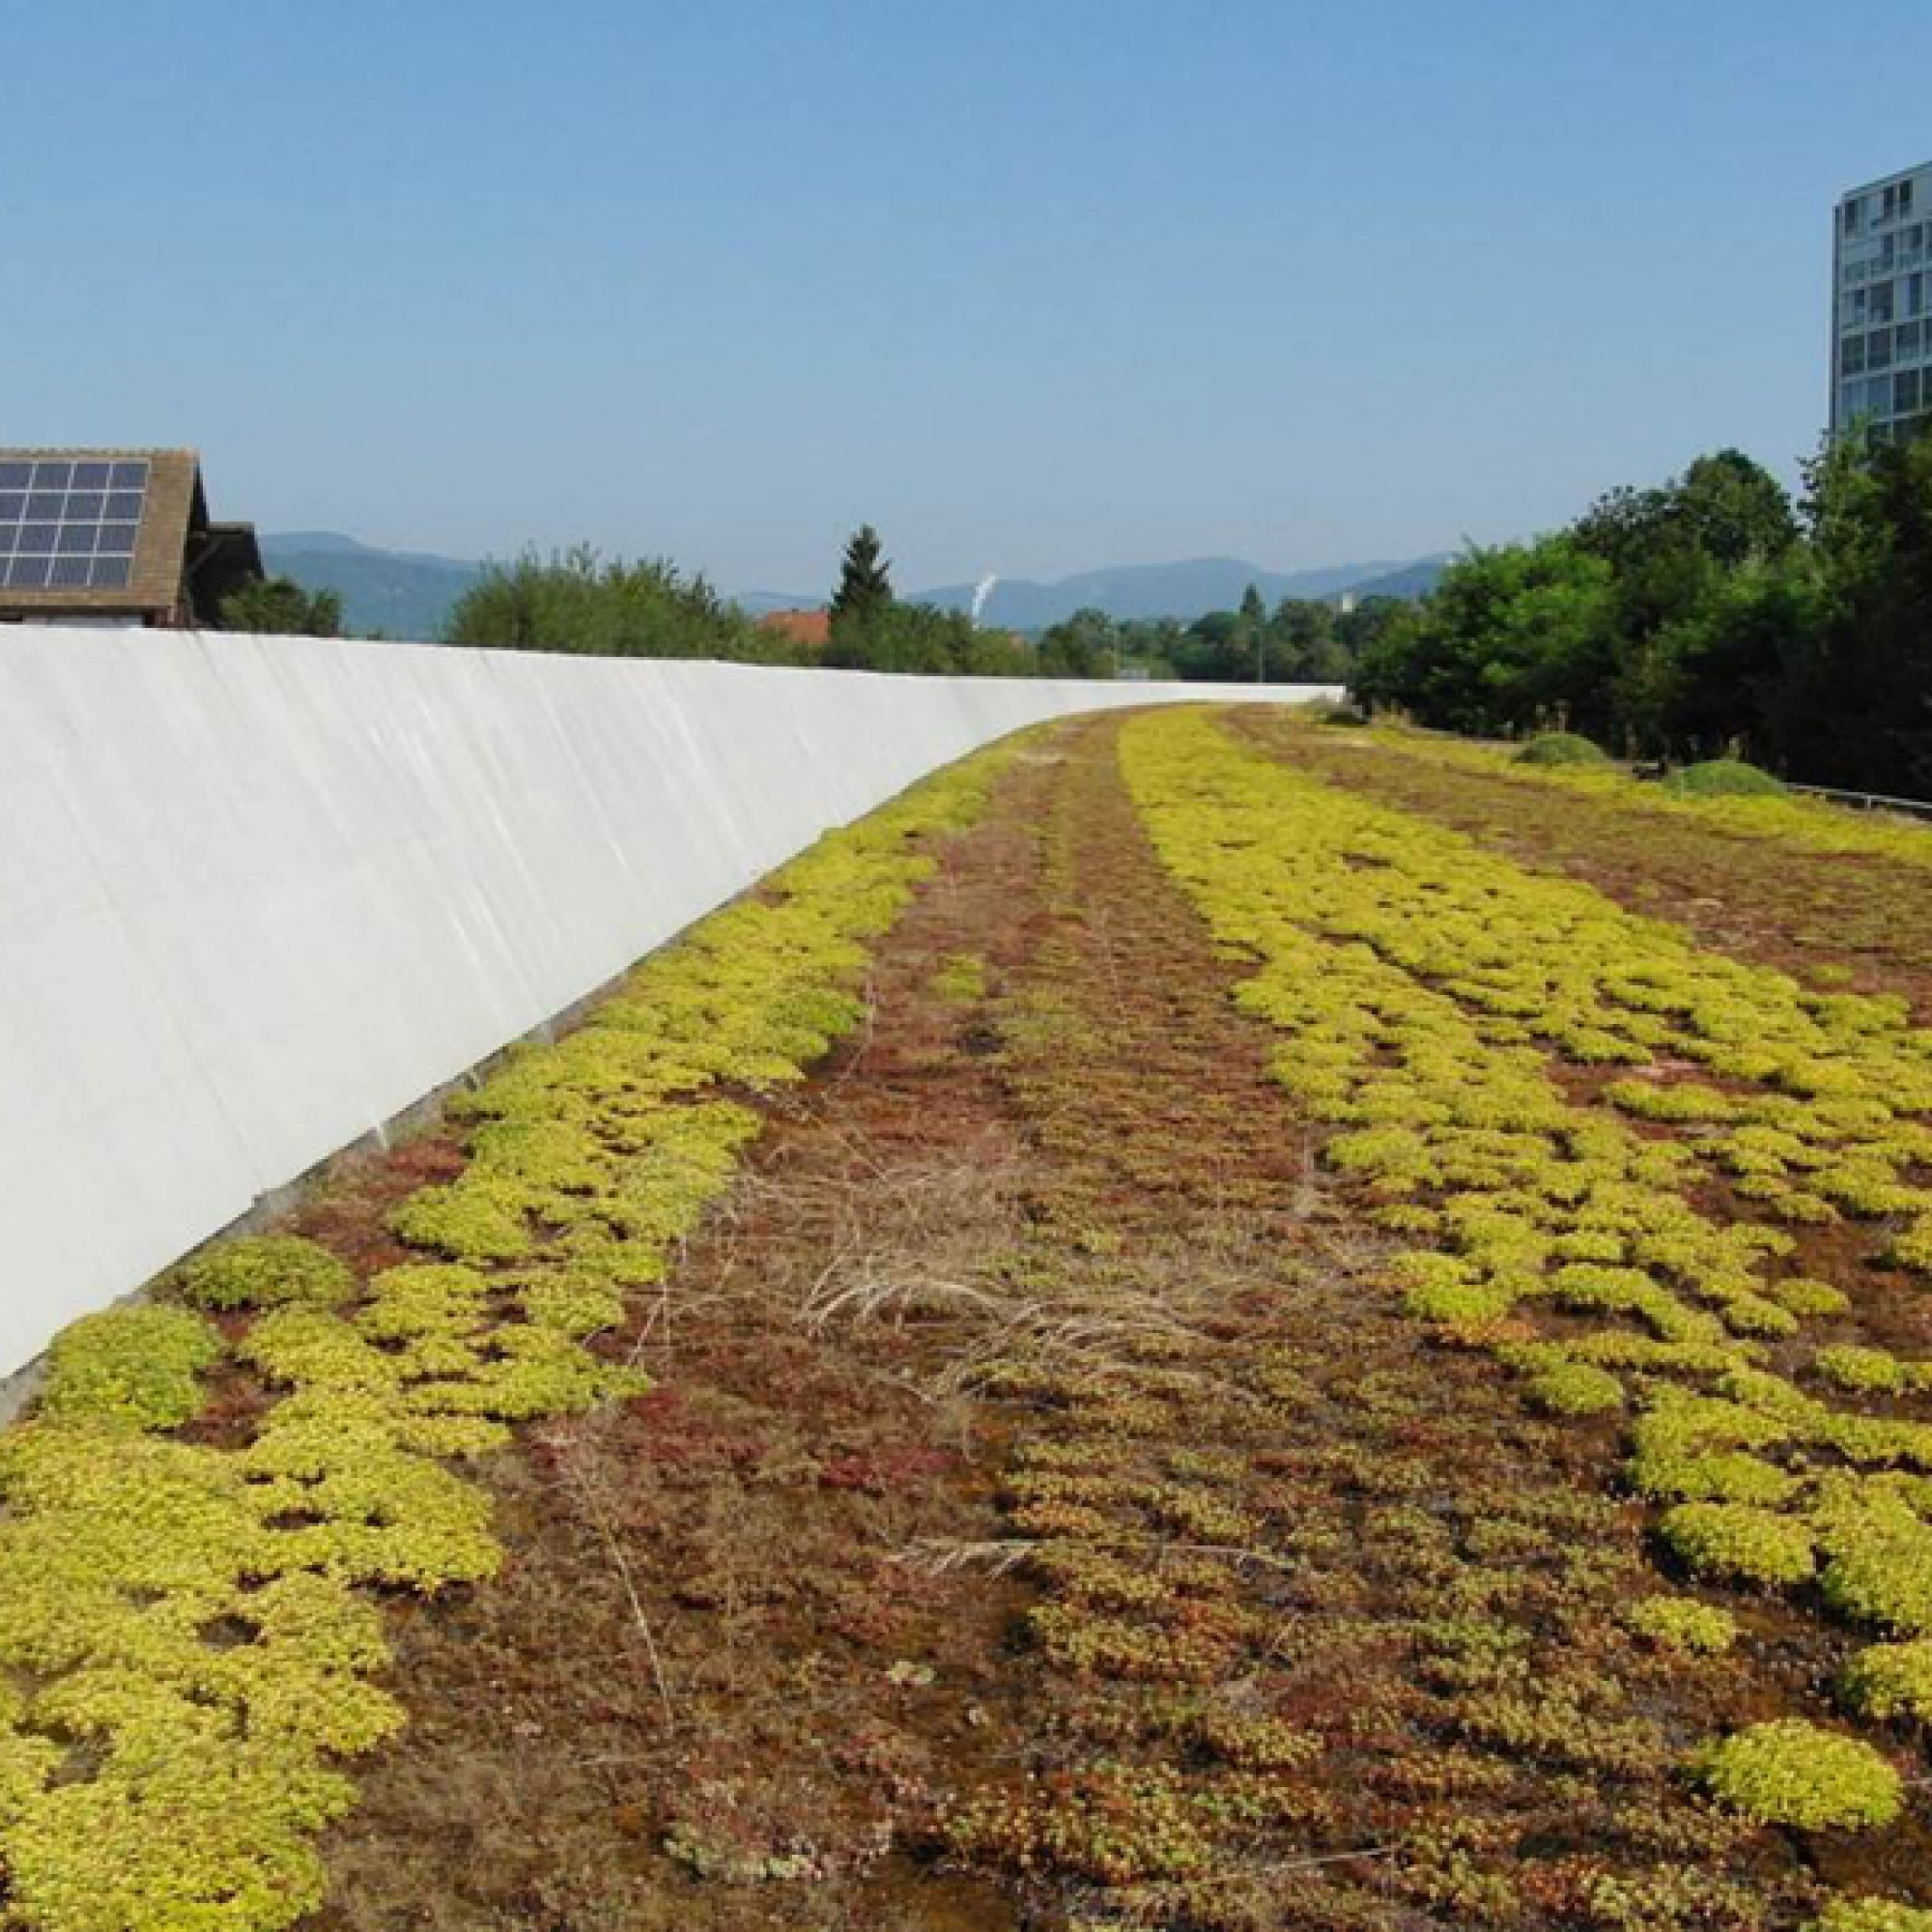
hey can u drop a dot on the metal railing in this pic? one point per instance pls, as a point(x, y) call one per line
point(1865, 800)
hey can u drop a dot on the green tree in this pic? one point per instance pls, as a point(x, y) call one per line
point(1305, 642)
point(1714, 680)
point(1356, 630)
point(1671, 618)
point(1857, 712)
point(1735, 510)
point(1250, 634)
point(1086, 644)
point(1672, 549)
point(923, 638)
point(864, 589)
point(576, 602)
point(1724, 506)
point(1513, 638)
point(278, 606)
point(1214, 650)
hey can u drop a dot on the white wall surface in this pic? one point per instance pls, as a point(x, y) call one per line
point(258, 895)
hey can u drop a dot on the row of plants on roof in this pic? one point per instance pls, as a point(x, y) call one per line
point(1724, 793)
point(1705, 616)
point(191, 1629)
point(1602, 1149)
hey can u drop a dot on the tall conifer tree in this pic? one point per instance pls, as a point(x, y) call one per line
point(864, 582)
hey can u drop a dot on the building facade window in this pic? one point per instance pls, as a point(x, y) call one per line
point(1882, 300)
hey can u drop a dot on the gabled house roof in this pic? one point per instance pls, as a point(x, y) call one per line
point(115, 533)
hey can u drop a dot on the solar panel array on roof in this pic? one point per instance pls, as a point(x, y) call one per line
point(70, 524)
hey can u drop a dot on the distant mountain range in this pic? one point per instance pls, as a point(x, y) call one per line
point(1408, 580)
point(1185, 590)
point(405, 594)
point(399, 593)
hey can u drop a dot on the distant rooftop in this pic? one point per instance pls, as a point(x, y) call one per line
point(809, 628)
point(1882, 182)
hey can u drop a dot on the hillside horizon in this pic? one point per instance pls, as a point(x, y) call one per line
point(409, 593)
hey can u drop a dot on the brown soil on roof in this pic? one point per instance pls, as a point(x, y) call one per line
point(1043, 1517)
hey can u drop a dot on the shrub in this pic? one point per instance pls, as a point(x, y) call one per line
point(1870, 1915)
point(1739, 1540)
point(1723, 778)
point(1891, 1680)
point(1865, 1371)
point(137, 1368)
point(1685, 1102)
point(263, 1271)
point(1575, 1388)
point(1683, 1623)
point(962, 977)
point(1913, 1246)
point(577, 600)
point(1879, 1556)
point(1710, 1476)
point(1561, 747)
point(477, 1218)
point(1803, 1295)
point(1461, 1305)
point(1115, 1825)
point(1791, 1773)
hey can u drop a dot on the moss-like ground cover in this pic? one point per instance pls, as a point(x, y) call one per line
point(1623, 1245)
point(1326, 1631)
point(1328, 1410)
point(191, 1631)
point(1044, 1518)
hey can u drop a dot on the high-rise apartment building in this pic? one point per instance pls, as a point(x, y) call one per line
point(1882, 305)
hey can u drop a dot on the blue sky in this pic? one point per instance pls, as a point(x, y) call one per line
point(1035, 285)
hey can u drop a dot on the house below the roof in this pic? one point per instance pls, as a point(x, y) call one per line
point(115, 536)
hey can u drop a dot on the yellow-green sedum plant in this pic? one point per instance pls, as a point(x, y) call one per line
point(1871, 1914)
point(1791, 1773)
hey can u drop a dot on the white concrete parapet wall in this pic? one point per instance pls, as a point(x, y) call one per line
point(259, 895)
